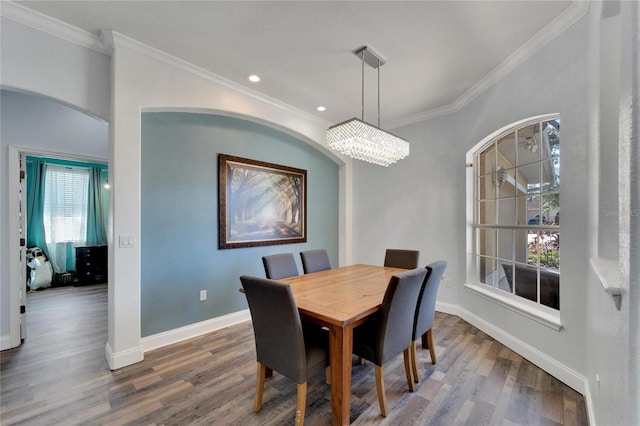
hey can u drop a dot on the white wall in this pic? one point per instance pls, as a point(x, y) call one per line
point(33, 61)
point(38, 62)
point(612, 369)
point(430, 214)
point(420, 203)
point(147, 80)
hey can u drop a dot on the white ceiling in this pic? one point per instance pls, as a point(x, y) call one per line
point(438, 53)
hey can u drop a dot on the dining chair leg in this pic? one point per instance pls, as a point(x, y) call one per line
point(327, 375)
point(257, 403)
point(432, 348)
point(407, 368)
point(301, 403)
point(382, 398)
point(414, 362)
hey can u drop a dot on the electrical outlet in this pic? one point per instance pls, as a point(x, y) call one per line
point(203, 295)
point(446, 281)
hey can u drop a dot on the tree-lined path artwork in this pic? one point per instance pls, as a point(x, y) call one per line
point(260, 203)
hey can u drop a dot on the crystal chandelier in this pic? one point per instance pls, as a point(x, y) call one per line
point(361, 140)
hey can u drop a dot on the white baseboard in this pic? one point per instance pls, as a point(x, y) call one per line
point(591, 415)
point(560, 371)
point(193, 330)
point(5, 343)
point(448, 308)
point(122, 359)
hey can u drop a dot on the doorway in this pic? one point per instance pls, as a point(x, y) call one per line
point(34, 125)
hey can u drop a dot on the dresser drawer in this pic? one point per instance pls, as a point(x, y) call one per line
point(91, 264)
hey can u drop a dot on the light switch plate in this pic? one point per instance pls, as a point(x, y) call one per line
point(126, 241)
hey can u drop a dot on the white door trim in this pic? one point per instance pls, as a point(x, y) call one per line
point(14, 242)
point(15, 269)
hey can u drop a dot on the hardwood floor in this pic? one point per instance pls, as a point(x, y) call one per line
point(59, 377)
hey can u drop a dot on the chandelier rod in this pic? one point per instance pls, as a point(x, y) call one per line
point(378, 92)
point(362, 89)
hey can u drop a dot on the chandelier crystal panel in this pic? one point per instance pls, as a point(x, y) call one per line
point(361, 140)
point(365, 142)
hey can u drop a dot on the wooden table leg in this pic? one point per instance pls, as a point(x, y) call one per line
point(340, 346)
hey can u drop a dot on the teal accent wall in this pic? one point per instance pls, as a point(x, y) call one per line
point(179, 214)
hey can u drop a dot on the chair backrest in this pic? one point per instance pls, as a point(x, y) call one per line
point(277, 266)
point(315, 260)
point(407, 259)
point(277, 327)
point(397, 313)
point(426, 307)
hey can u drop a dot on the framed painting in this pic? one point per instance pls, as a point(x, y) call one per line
point(260, 203)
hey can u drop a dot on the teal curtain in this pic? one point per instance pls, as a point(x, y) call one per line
point(96, 212)
point(35, 205)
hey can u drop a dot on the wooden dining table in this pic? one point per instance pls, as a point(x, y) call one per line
point(341, 299)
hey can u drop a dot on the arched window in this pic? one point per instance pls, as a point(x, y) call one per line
point(516, 212)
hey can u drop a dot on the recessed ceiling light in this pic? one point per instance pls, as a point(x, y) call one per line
point(254, 78)
point(321, 108)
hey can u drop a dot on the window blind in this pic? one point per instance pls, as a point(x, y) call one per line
point(65, 203)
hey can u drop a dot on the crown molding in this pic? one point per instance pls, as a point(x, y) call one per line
point(115, 40)
point(108, 39)
point(51, 26)
point(553, 29)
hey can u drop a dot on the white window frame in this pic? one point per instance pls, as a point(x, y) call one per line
point(532, 310)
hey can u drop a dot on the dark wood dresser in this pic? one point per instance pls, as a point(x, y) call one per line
point(91, 265)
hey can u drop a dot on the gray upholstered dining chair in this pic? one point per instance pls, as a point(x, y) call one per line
point(425, 313)
point(277, 266)
point(388, 333)
point(315, 260)
point(407, 259)
point(283, 344)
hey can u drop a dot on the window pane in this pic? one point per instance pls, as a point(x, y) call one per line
point(522, 214)
point(534, 203)
point(529, 177)
point(550, 288)
point(520, 182)
point(506, 282)
point(549, 250)
point(532, 244)
point(526, 282)
point(507, 151)
point(504, 181)
point(529, 144)
point(551, 208)
point(507, 211)
point(550, 178)
point(486, 188)
point(487, 212)
point(487, 242)
point(551, 131)
point(521, 244)
point(505, 244)
point(487, 161)
point(487, 271)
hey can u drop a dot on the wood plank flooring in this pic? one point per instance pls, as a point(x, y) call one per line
point(59, 377)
